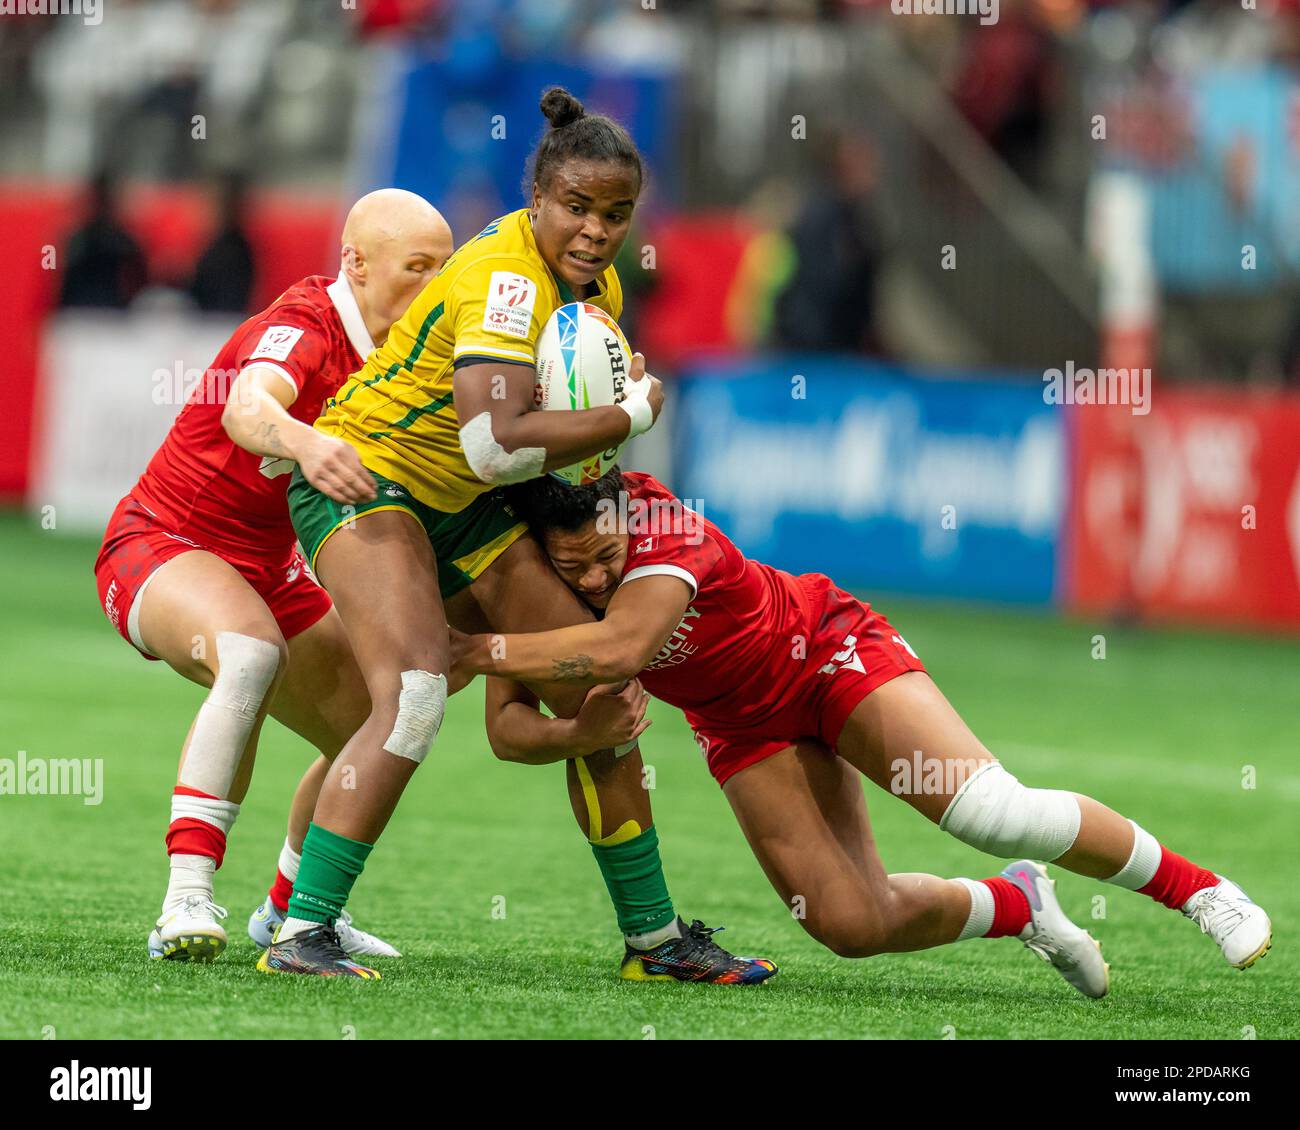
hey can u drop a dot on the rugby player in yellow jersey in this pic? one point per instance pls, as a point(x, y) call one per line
point(441, 415)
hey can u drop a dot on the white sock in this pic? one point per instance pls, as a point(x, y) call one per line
point(980, 920)
point(294, 926)
point(653, 938)
point(1142, 862)
point(190, 875)
point(221, 814)
point(289, 861)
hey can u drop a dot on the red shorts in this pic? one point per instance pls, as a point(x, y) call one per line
point(136, 543)
point(852, 651)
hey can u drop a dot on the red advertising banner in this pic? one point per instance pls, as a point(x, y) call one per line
point(292, 237)
point(1191, 512)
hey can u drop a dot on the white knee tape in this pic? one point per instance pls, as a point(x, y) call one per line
point(246, 668)
point(493, 463)
point(994, 812)
point(419, 715)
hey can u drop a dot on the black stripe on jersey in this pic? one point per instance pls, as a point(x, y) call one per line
point(482, 359)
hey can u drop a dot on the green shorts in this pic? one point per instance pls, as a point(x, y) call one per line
point(465, 543)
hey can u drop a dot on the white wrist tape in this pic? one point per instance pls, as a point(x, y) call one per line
point(493, 463)
point(640, 413)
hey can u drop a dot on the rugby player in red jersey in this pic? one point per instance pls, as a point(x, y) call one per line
point(793, 688)
point(199, 566)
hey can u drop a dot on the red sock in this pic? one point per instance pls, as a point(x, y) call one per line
point(188, 834)
point(1177, 879)
point(280, 891)
point(1010, 908)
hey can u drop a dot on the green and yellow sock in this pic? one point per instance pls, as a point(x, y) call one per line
point(634, 877)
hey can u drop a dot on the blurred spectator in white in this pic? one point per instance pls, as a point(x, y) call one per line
point(138, 79)
point(628, 35)
point(1226, 35)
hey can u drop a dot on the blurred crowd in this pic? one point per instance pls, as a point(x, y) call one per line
point(280, 90)
point(105, 268)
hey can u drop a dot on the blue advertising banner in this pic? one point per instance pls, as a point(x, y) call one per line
point(880, 477)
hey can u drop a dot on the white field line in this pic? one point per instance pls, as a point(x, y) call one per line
point(1116, 768)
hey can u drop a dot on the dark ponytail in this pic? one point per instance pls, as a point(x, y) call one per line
point(575, 133)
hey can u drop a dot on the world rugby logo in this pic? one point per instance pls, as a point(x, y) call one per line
point(513, 291)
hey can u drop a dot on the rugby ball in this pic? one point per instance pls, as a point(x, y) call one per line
point(583, 361)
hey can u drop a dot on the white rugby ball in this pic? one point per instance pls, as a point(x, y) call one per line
point(583, 361)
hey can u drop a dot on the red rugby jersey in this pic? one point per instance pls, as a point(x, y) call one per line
point(199, 483)
point(746, 634)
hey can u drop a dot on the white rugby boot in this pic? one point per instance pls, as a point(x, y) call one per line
point(1073, 952)
point(1239, 926)
point(189, 932)
point(263, 923)
point(265, 920)
point(357, 942)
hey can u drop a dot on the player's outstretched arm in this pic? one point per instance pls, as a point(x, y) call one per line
point(640, 618)
point(519, 731)
point(256, 417)
point(506, 440)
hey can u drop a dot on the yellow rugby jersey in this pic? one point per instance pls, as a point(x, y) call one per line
point(488, 303)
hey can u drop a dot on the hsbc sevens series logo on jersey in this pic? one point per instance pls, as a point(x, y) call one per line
point(510, 302)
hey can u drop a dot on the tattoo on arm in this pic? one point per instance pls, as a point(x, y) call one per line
point(268, 436)
point(573, 669)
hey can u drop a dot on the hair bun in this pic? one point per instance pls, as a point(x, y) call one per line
point(561, 108)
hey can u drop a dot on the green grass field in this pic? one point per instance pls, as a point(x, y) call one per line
point(1160, 729)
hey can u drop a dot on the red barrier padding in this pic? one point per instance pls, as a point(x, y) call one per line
point(293, 236)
